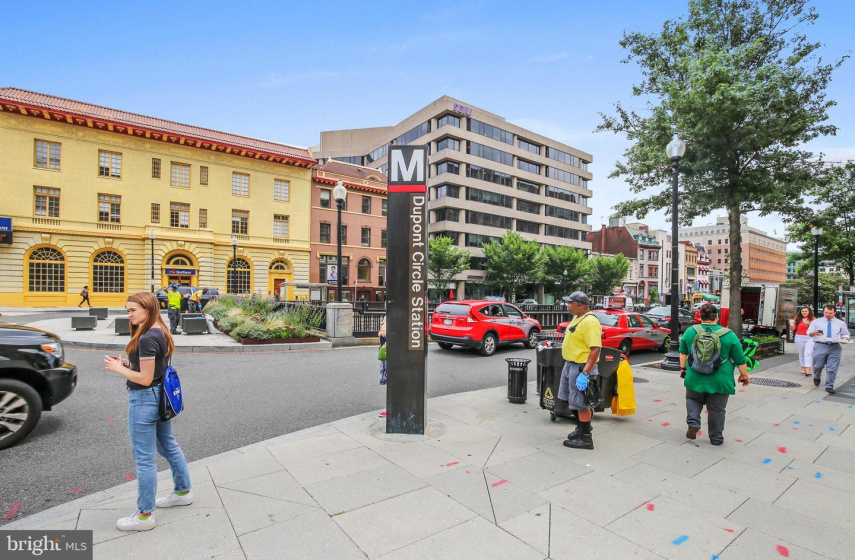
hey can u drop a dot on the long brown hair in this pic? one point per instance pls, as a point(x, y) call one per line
point(810, 314)
point(148, 301)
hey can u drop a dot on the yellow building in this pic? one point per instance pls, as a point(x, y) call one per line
point(110, 199)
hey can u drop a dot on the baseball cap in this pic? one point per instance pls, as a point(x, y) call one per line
point(578, 297)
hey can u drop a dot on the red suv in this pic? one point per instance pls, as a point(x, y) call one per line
point(482, 324)
point(629, 331)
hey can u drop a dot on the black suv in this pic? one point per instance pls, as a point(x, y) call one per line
point(33, 377)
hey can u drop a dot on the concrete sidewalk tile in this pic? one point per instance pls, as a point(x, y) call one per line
point(820, 474)
point(519, 432)
point(771, 412)
point(572, 537)
point(754, 545)
point(420, 459)
point(819, 408)
point(510, 500)
point(204, 496)
point(508, 450)
point(675, 530)
point(832, 506)
point(279, 485)
point(746, 480)
point(686, 461)
point(741, 452)
point(382, 527)
point(775, 445)
point(595, 459)
point(236, 554)
point(61, 523)
point(601, 497)
point(250, 512)
point(249, 465)
point(466, 486)
point(311, 536)
point(531, 527)
point(540, 471)
point(843, 441)
point(333, 465)
point(473, 539)
point(470, 415)
point(202, 536)
point(818, 537)
point(102, 522)
point(475, 453)
point(838, 458)
point(360, 489)
point(623, 442)
point(292, 452)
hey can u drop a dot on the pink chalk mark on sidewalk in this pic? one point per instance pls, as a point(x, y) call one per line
point(666, 423)
point(657, 400)
point(129, 477)
point(110, 419)
point(77, 491)
point(783, 551)
point(451, 464)
point(729, 530)
point(503, 481)
point(739, 441)
point(12, 511)
point(782, 450)
point(650, 507)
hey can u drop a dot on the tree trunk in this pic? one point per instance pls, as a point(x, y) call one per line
point(735, 236)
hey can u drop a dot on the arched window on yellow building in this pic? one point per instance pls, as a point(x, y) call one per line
point(108, 272)
point(238, 276)
point(46, 268)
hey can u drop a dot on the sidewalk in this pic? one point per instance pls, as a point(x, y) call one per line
point(492, 480)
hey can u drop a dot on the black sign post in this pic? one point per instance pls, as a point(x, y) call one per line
point(406, 308)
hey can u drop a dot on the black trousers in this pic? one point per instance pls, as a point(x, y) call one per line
point(84, 300)
point(716, 404)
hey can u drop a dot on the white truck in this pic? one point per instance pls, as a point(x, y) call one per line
point(767, 308)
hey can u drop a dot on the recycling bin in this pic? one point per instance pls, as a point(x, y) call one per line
point(517, 379)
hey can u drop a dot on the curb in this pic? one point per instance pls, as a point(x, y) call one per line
point(208, 349)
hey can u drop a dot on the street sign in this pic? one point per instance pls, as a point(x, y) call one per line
point(5, 231)
point(406, 323)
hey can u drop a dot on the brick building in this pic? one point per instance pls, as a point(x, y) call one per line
point(635, 242)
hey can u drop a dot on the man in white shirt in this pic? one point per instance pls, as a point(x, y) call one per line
point(825, 352)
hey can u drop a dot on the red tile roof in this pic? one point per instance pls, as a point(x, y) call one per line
point(352, 170)
point(153, 124)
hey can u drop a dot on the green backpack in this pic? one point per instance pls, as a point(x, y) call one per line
point(706, 350)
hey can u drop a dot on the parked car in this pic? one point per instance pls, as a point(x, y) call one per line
point(186, 292)
point(661, 317)
point(34, 377)
point(482, 324)
point(629, 331)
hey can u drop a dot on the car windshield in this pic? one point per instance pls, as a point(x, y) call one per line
point(453, 309)
point(606, 319)
point(660, 311)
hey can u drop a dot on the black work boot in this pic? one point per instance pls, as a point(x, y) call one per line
point(575, 433)
point(584, 440)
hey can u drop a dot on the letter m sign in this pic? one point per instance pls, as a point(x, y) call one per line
point(407, 168)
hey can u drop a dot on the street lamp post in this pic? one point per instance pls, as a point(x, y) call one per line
point(151, 235)
point(816, 232)
point(340, 195)
point(233, 286)
point(675, 150)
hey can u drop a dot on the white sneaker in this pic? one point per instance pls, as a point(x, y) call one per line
point(174, 499)
point(134, 523)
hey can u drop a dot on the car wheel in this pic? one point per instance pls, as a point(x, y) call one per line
point(488, 345)
point(531, 341)
point(625, 347)
point(666, 344)
point(20, 410)
point(444, 345)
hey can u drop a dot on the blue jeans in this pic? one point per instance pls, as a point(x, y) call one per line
point(148, 433)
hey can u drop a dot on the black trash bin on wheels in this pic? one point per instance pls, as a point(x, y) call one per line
point(517, 379)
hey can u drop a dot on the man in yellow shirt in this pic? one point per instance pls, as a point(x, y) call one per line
point(173, 304)
point(580, 350)
point(195, 303)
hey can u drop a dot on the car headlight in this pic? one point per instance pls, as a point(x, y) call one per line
point(54, 349)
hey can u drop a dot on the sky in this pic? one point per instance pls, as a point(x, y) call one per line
point(284, 71)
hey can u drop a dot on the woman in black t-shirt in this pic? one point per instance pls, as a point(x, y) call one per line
point(148, 355)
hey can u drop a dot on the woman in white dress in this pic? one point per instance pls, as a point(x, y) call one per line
point(803, 342)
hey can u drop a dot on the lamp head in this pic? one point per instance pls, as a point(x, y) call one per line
point(151, 235)
point(676, 148)
point(234, 241)
point(339, 192)
point(816, 232)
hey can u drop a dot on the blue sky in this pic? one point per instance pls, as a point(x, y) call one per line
point(284, 71)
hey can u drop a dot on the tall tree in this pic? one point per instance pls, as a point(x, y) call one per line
point(746, 88)
point(513, 262)
point(445, 262)
point(606, 273)
point(565, 270)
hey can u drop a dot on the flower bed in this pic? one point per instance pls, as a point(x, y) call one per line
point(260, 321)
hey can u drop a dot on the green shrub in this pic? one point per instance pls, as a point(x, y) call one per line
point(217, 310)
point(258, 306)
point(232, 321)
point(251, 329)
point(765, 338)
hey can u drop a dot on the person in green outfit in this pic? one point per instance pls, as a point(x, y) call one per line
point(711, 389)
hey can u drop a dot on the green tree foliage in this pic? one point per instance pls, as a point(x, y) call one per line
point(445, 261)
point(746, 88)
point(654, 295)
point(512, 262)
point(606, 273)
point(828, 284)
point(566, 269)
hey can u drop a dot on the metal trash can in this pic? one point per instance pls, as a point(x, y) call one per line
point(549, 355)
point(517, 379)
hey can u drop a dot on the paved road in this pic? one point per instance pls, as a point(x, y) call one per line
point(82, 446)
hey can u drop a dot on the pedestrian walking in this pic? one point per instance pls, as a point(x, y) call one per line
point(580, 350)
point(173, 304)
point(149, 352)
point(84, 293)
point(382, 353)
point(803, 342)
point(708, 355)
point(827, 332)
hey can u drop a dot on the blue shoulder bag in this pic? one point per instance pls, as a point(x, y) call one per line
point(171, 398)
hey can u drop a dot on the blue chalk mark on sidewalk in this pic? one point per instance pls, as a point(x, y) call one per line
point(818, 475)
point(790, 468)
point(680, 540)
point(830, 429)
point(796, 422)
point(767, 461)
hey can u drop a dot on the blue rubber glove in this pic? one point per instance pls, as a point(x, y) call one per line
point(582, 381)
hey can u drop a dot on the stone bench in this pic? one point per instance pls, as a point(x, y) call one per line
point(122, 325)
point(98, 312)
point(185, 316)
point(85, 322)
point(195, 325)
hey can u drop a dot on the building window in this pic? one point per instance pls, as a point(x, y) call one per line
point(489, 175)
point(203, 175)
point(488, 197)
point(325, 233)
point(561, 194)
point(383, 238)
point(155, 168)
point(377, 154)
point(281, 190)
point(109, 208)
point(572, 215)
point(46, 202)
point(490, 131)
point(528, 146)
point(343, 235)
point(363, 270)
point(47, 270)
point(109, 164)
point(448, 167)
point(366, 237)
point(489, 220)
point(366, 204)
point(155, 213)
point(563, 157)
point(487, 152)
point(240, 222)
point(528, 166)
point(240, 184)
point(558, 231)
point(327, 260)
point(381, 272)
point(179, 215)
point(47, 154)
point(280, 226)
point(564, 176)
point(413, 134)
point(447, 214)
point(527, 186)
point(203, 218)
point(384, 207)
point(526, 206)
point(356, 160)
point(326, 195)
point(108, 273)
point(180, 176)
point(477, 240)
point(238, 276)
point(449, 120)
point(448, 190)
point(448, 144)
point(528, 227)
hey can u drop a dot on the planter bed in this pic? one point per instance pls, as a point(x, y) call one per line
point(250, 341)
